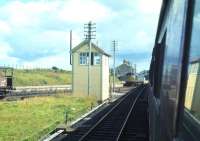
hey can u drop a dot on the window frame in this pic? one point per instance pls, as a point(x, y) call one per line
point(159, 62)
point(85, 57)
point(93, 61)
point(96, 54)
point(185, 122)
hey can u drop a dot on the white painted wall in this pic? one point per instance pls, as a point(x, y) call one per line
point(105, 77)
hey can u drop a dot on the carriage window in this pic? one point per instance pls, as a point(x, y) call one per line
point(192, 99)
point(159, 66)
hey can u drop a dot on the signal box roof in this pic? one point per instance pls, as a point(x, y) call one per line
point(93, 45)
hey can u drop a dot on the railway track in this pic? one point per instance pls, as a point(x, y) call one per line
point(81, 129)
point(136, 125)
point(32, 94)
point(22, 92)
point(111, 126)
point(126, 120)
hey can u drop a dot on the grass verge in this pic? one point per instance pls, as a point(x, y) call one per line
point(31, 118)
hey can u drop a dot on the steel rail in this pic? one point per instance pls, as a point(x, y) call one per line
point(108, 113)
point(131, 110)
point(11, 94)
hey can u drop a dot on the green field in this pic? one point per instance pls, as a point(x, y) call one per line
point(39, 77)
point(31, 118)
point(42, 77)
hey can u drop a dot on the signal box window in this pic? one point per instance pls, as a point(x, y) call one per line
point(97, 59)
point(84, 58)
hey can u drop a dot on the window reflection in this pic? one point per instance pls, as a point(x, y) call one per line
point(192, 100)
point(171, 69)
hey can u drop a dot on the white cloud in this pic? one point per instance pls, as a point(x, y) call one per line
point(143, 38)
point(55, 40)
point(4, 28)
point(76, 39)
point(142, 42)
point(33, 13)
point(149, 6)
point(41, 26)
point(52, 38)
point(84, 11)
point(23, 14)
point(5, 49)
point(60, 60)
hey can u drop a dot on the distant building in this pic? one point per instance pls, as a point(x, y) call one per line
point(192, 92)
point(143, 75)
point(99, 71)
point(125, 70)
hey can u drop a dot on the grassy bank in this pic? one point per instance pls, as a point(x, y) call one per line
point(42, 77)
point(38, 77)
point(31, 118)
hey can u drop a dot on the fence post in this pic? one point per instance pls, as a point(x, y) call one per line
point(66, 117)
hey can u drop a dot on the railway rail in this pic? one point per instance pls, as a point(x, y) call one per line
point(30, 91)
point(136, 125)
point(36, 91)
point(126, 120)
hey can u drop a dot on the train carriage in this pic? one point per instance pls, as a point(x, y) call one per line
point(174, 108)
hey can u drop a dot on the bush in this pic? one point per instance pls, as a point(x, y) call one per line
point(54, 68)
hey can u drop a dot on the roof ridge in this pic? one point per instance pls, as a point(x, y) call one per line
point(93, 45)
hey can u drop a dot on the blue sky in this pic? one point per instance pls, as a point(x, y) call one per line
point(36, 33)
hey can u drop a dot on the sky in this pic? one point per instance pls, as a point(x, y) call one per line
point(35, 33)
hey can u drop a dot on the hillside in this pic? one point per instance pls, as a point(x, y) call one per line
point(38, 77)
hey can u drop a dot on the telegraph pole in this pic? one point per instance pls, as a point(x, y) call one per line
point(70, 44)
point(70, 52)
point(135, 71)
point(90, 34)
point(114, 42)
